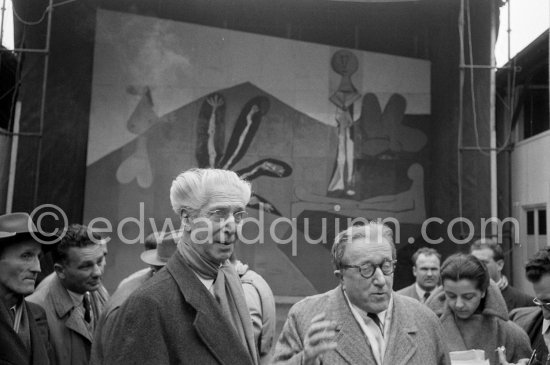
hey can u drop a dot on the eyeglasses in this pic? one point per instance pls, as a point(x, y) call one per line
point(367, 270)
point(540, 303)
point(222, 214)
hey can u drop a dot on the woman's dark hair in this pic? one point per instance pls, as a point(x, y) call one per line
point(461, 266)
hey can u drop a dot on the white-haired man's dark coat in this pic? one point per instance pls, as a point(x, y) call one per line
point(174, 319)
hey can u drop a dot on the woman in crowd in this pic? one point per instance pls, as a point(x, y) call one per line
point(474, 314)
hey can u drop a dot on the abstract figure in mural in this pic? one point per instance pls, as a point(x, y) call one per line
point(210, 142)
point(407, 206)
point(137, 165)
point(210, 131)
point(344, 63)
point(383, 134)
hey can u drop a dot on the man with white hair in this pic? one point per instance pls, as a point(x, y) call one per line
point(194, 310)
point(362, 320)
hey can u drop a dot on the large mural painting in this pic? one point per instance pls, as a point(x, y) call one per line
point(323, 134)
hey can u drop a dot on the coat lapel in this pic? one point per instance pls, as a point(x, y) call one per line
point(401, 345)
point(211, 325)
point(63, 305)
point(18, 353)
point(39, 343)
point(454, 339)
point(351, 342)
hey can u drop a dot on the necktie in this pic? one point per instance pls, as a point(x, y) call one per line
point(378, 347)
point(376, 320)
point(87, 307)
point(426, 296)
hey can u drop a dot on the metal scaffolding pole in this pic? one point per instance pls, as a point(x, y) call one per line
point(46, 53)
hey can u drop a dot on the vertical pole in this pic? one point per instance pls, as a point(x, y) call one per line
point(43, 103)
point(492, 122)
point(2, 22)
point(13, 157)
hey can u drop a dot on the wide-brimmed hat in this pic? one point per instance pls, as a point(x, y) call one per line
point(14, 225)
point(166, 246)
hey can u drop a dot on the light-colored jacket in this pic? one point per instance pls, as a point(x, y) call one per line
point(415, 336)
point(70, 337)
point(261, 305)
point(484, 331)
point(409, 291)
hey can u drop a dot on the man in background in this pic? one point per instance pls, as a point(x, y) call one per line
point(24, 337)
point(426, 266)
point(71, 298)
point(261, 305)
point(489, 251)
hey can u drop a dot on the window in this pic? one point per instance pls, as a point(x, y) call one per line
point(536, 221)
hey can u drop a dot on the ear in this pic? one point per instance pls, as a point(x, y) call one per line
point(483, 294)
point(185, 220)
point(59, 270)
point(500, 264)
point(338, 274)
point(414, 271)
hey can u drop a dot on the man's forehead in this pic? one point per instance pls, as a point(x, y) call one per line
point(24, 245)
point(484, 253)
point(427, 260)
point(225, 196)
point(369, 246)
point(86, 253)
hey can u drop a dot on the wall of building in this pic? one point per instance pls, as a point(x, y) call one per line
point(530, 189)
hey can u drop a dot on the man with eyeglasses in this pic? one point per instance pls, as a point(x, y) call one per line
point(362, 321)
point(193, 311)
point(536, 320)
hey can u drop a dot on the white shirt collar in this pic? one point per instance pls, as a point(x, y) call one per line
point(384, 316)
point(545, 325)
point(77, 298)
point(419, 291)
point(208, 283)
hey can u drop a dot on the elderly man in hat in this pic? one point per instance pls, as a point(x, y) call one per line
point(193, 311)
point(164, 246)
point(23, 326)
point(72, 299)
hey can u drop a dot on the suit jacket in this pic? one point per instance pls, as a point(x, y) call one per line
point(174, 319)
point(18, 353)
point(410, 291)
point(70, 336)
point(415, 336)
point(530, 320)
point(515, 298)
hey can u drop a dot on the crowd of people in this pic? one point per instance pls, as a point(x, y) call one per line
point(196, 303)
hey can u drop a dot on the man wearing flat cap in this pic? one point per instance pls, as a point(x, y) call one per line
point(23, 325)
point(156, 258)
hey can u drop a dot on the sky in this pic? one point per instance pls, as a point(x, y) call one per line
point(529, 18)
